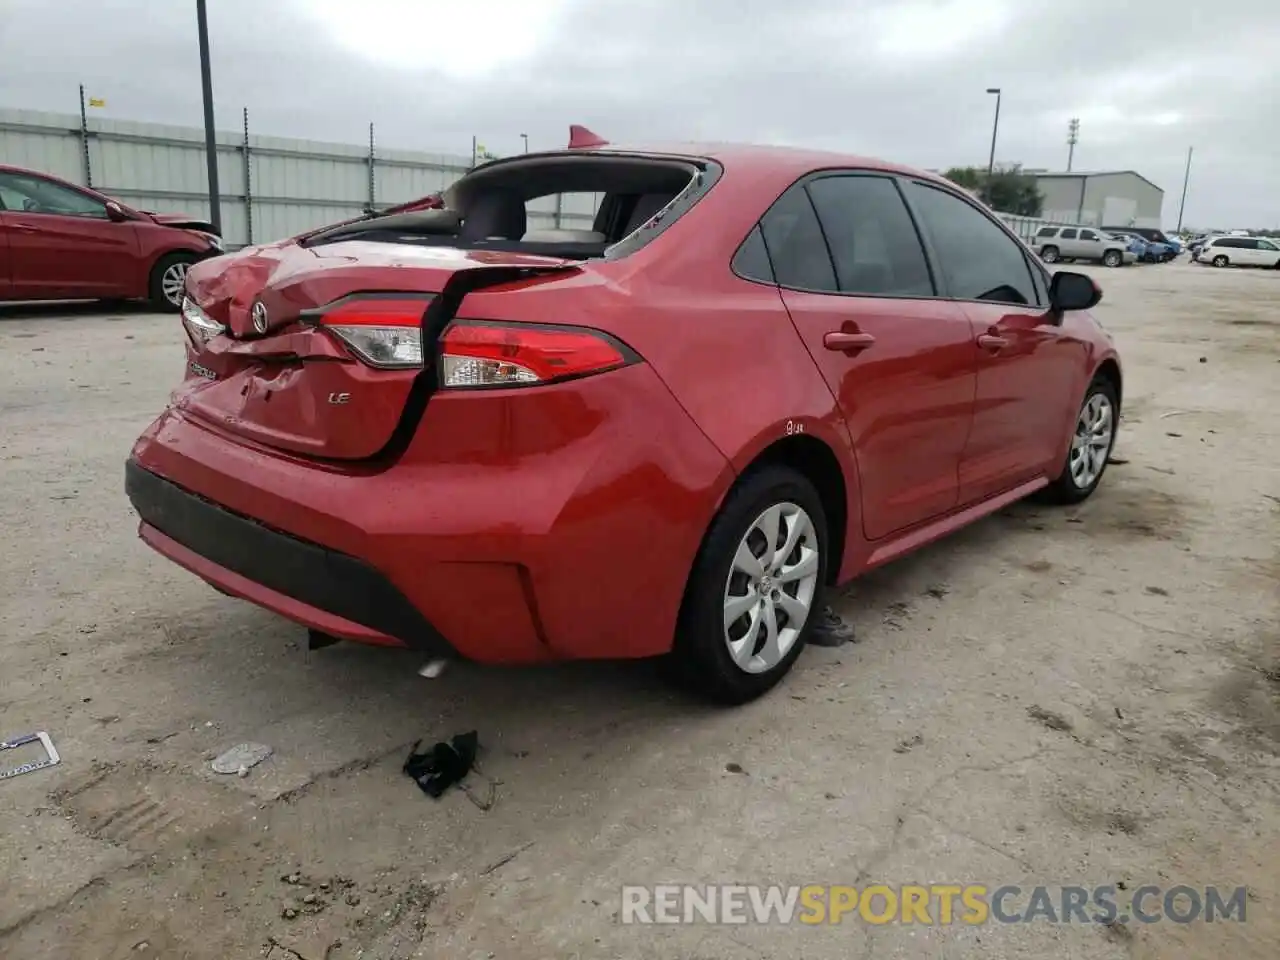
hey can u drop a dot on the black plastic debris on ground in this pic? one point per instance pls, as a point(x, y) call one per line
point(831, 630)
point(437, 769)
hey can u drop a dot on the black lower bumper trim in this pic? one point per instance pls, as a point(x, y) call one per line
point(309, 573)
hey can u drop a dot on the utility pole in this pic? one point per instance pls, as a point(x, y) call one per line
point(525, 138)
point(995, 128)
point(1073, 137)
point(1185, 180)
point(210, 137)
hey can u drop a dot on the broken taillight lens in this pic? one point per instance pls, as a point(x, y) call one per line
point(491, 354)
point(200, 327)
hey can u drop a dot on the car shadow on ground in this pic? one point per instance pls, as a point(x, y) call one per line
point(73, 309)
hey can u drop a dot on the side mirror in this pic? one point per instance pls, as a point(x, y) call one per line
point(116, 214)
point(1073, 291)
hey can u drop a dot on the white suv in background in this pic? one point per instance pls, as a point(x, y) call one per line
point(1240, 252)
point(1052, 244)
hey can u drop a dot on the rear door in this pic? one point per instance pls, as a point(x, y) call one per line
point(1069, 242)
point(61, 243)
point(1026, 367)
point(1092, 244)
point(898, 359)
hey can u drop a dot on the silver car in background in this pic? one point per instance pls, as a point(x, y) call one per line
point(1052, 244)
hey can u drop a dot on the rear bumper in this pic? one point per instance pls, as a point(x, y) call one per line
point(560, 524)
point(320, 588)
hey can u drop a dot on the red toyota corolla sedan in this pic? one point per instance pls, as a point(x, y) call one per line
point(762, 372)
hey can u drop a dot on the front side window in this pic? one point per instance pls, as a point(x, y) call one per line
point(1047, 232)
point(795, 243)
point(979, 260)
point(1267, 245)
point(27, 194)
point(873, 242)
point(1088, 235)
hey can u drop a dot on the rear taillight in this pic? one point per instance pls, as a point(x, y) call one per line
point(490, 354)
point(384, 332)
point(200, 327)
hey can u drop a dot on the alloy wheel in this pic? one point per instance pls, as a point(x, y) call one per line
point(1091, 443)
point(174, 281)
point(769, 593)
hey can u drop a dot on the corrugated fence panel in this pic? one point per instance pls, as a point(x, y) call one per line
point(294, 185)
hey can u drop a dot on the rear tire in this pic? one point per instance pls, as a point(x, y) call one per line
point(1220, 261)
point(1049, 255)
point(1092, 440)
point(1113, 258)
point(777, 599)
point(168, 281)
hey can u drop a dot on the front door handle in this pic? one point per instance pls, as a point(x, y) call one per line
point(989, 341)
point(847, 342)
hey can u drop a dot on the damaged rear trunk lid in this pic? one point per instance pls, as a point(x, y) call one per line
point(328, 351)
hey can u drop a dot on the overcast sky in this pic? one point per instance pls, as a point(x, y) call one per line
point(899, 79)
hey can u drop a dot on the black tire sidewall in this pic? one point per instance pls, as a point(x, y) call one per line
point(702, 658)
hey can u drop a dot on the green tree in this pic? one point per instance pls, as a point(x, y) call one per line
point(1007, 189)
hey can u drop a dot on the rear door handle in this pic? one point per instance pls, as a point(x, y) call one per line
point(989, 341)
point(847, 342)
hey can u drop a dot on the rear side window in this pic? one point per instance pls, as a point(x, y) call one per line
point(795, 243)
point(752, 259)
point(978, 259)
point(1068, 234)
point(873, 242)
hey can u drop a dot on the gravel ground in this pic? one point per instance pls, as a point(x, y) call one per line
point(1081, 696)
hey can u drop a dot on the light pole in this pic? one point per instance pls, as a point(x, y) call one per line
point(995, 127)
point(210, 138)
point(1185, 180)
point(525, 138)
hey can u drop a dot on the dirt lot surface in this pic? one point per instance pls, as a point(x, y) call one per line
point(1083, 696)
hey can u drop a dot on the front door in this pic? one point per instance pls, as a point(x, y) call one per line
point(1025, 367)
point(1268, 254)
point(61, 242)
point(899, 360)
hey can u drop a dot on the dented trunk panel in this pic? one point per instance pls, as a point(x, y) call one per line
point(286, 382)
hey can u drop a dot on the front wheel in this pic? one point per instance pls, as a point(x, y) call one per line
point(1220, 261)
point(755, 592)
point(1091, 443)
point(1049, 254)
point(1113, 258)
point(169, 281)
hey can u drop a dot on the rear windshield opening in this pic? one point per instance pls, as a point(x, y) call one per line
point(577, 205)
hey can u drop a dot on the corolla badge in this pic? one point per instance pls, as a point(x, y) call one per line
point(259, 317)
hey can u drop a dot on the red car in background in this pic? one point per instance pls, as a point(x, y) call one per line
point(761, 373)
point(59, 241)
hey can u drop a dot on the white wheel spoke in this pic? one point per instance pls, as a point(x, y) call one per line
point(735, 607)
point(747, 562)
point(808, 566)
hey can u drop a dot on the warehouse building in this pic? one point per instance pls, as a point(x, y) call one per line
point(1105, 198)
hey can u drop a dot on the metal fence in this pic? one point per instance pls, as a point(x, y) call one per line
point(269, 187)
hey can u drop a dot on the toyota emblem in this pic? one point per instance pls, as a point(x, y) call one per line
point(260, 317)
